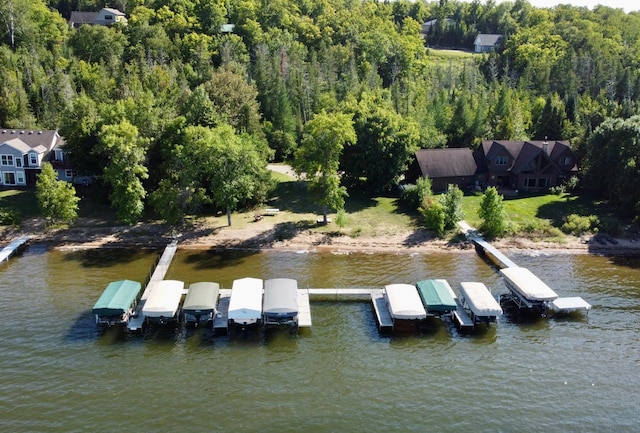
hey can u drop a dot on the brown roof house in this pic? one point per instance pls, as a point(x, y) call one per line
point(509, 165)
point(22, 153)
point(528, 165)
point(458, 166)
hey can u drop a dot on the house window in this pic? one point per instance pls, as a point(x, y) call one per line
point(108, 17)
point(9, 178)
point(544, 182)
point(33, 160)
point(502, 160)
point(565, 160)
point(529, 182)
point(7, 160)
point(19, 162)
point(20, 177)
point(68, 174)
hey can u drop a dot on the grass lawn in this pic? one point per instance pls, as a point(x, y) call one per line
point(531, 211)
point(365, 216)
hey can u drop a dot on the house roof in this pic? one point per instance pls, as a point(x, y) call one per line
point(521, 152)
point(487, 39)
point(82, 17)
point(25, 140)
point(113, 11)
point(453, 162)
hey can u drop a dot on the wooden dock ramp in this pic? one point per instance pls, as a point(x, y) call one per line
point(158, 274)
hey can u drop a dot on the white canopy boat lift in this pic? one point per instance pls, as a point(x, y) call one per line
point(405, 307)
point(245, 303)
point(529, 292)
point(163, 302)
point(479, 303)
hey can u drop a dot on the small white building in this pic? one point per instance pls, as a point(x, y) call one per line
point(104, 17)
point(485, 43)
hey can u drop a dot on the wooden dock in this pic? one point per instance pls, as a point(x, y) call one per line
point(13, 248)
point(137, 320)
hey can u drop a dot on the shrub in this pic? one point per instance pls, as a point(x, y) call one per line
point(578, 225)
point(9, 217)
point(434, 214)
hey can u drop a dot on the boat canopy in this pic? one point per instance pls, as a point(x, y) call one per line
point(480, 300)
point(163, 299)
point(404, 302)
point(117, 298)
point(280, 297)
point(437, 296)
point(523, 281)
point(245, 304)
point(201, 297)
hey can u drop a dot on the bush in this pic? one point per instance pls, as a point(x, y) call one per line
point(578, 225)
point(434, 214)
point(413, 196)
point(9, 217)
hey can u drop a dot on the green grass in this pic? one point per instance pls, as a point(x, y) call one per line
point(550, 210)
point(540, 216)
point(22, 201)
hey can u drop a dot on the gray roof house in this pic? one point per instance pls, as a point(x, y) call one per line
point(22, 153)
point(485, 43)
point(104, 17)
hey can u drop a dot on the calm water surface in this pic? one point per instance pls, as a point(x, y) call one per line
point(58, 374)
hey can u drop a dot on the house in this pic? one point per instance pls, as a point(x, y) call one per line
point(104, 17)
point(485, 43)
point(514, 165)
point(528, 165)
point(22, 153)
point(428, 26)
point(458, 166)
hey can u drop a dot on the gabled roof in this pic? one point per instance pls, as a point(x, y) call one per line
point(39, 141)
point(522, 152)
point(113, 11)
point(487, 40)
point(452, 162)
point(80, 17)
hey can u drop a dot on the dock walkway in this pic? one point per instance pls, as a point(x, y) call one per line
point(136, 321)
point(474, 236)
point(462, 318)
point(12, 248)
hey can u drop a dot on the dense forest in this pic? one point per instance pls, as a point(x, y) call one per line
point(178, 113)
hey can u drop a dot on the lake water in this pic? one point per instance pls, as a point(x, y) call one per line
point(58, 374)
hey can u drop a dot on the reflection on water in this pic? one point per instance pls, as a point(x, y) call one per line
point(556, 374)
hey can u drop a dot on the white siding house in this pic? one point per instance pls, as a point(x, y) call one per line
point(22, 153)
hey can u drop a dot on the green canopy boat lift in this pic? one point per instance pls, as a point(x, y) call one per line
point(117, 303)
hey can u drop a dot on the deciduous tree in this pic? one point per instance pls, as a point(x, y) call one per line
point(318, 157)
point(57, 199)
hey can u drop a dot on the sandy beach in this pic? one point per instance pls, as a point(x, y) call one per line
point(267, 237)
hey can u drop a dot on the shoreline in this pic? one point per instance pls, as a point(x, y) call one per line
point(267, 239)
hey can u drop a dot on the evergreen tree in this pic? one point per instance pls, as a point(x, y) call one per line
point(492, 212)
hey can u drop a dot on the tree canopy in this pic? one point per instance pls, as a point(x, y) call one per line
point(559, 73)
